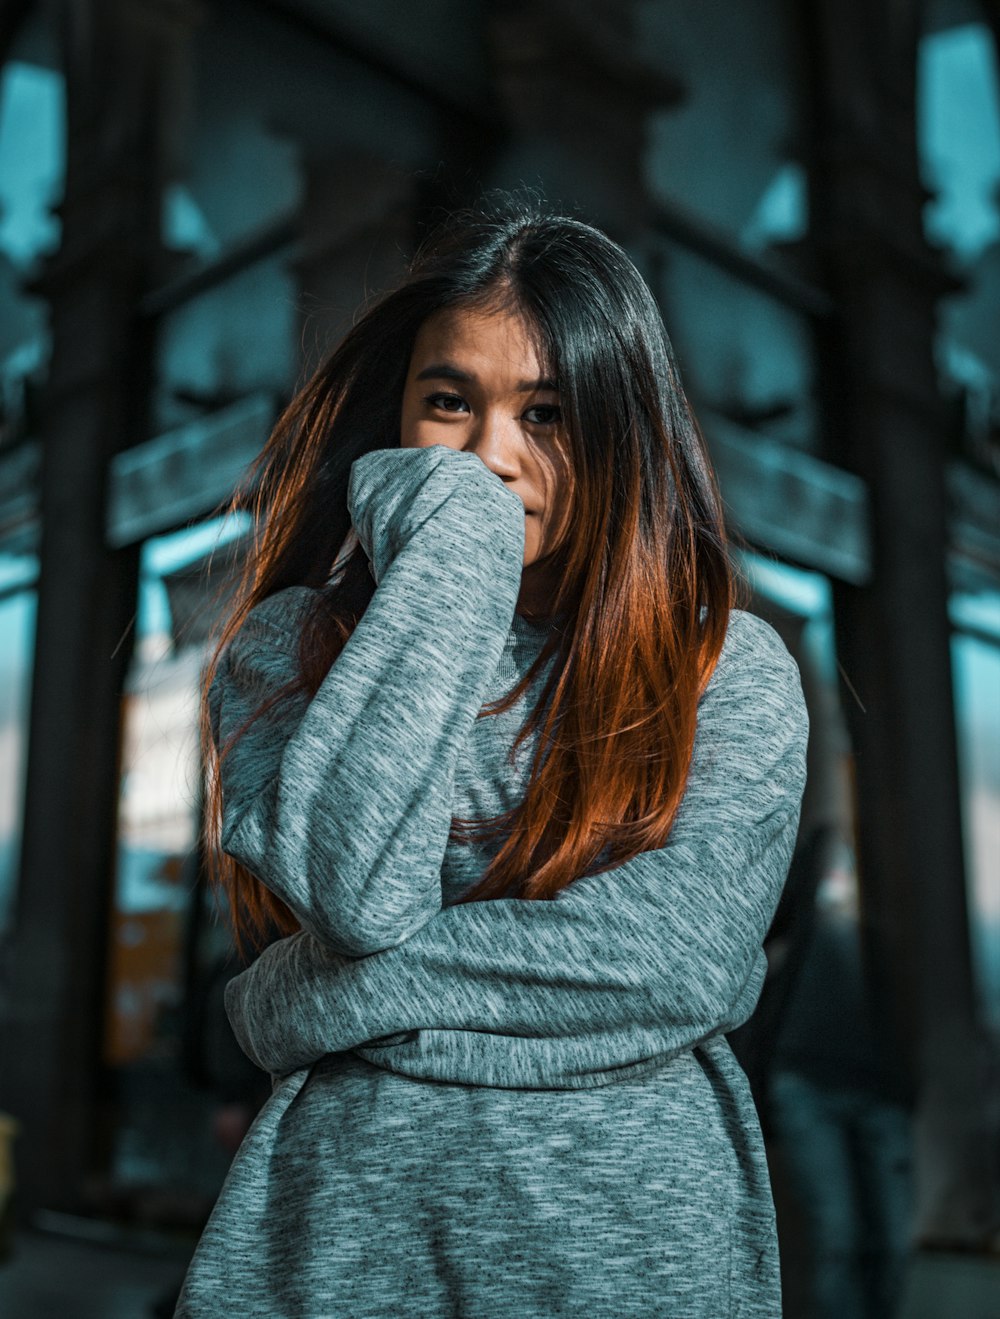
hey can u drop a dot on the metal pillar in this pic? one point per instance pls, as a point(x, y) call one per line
point(886, 422)
point(51, 1078)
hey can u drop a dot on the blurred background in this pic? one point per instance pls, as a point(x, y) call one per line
point(195, 198)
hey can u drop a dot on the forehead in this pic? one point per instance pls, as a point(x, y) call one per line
point(478, 341)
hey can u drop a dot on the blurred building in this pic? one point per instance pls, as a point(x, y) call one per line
point(196, 196)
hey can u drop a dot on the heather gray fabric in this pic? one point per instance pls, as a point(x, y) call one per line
point(508, 1109)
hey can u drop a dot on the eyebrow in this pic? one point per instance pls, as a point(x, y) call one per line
point(447, 371)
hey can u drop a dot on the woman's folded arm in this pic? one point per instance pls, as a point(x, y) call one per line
point(641, 961)
point(341, 805)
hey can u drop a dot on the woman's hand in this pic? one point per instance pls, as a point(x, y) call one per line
point(447, 494)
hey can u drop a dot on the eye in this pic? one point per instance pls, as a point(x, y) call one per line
point(552, 415)
point(444, 401)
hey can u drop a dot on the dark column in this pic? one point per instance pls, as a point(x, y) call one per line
point(51, 1077)
point(575, 93)
point(886, 422)
point(354, 229)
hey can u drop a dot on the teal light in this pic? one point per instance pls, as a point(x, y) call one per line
point(32, 155)
point(978, 613)
point(959, 133)
point(17, 570)
point(165, 554)
point(185, 226)
point(804, 593)
point(801, 592)
point(781, 215)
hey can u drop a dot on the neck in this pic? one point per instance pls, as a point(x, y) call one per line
point(539, 582)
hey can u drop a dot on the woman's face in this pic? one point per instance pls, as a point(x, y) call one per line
point(475, 382)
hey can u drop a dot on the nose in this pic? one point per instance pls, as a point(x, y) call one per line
point(497, 441)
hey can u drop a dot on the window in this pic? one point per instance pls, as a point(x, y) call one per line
point(164, 1134)
point(728, 151)
point(32, 165)
point(976, 664)
point(17, 636)
point(959, 137)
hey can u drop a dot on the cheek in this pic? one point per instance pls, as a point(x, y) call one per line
point(415, 429)
point(418, 432)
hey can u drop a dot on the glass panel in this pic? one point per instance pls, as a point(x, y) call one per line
point(417, 38)
point(232, 173)
point(959, 131)
point(258, 90)
point(32, 164)
point(799, 605)
point(17, 641)
point(959, 126)
point(839, 1133)
point(741, 353)
point(165, 1132)
point(727, 152)
point(976, 662)
point(959, 136)
point(228, 342)
point(31, 159)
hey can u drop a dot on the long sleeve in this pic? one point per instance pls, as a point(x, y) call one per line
point(341, 805)
point(618, 972)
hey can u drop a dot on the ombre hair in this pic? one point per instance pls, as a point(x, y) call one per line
point(645, 586)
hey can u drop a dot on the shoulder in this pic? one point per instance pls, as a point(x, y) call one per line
point(752, 641)
point(755, 667)
point(281, 615)
point(268, 638)
point(262, 657)
point(753, 724)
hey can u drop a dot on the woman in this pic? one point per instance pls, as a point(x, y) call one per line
point(520, 786)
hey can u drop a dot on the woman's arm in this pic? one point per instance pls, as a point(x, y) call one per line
point(634, 964)
point(342, 804)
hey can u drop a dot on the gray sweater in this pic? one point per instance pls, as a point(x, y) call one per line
point(504, 1109)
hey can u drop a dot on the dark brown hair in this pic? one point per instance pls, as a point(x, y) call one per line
point(646, 586)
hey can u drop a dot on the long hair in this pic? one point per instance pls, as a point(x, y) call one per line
point(645, 587)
